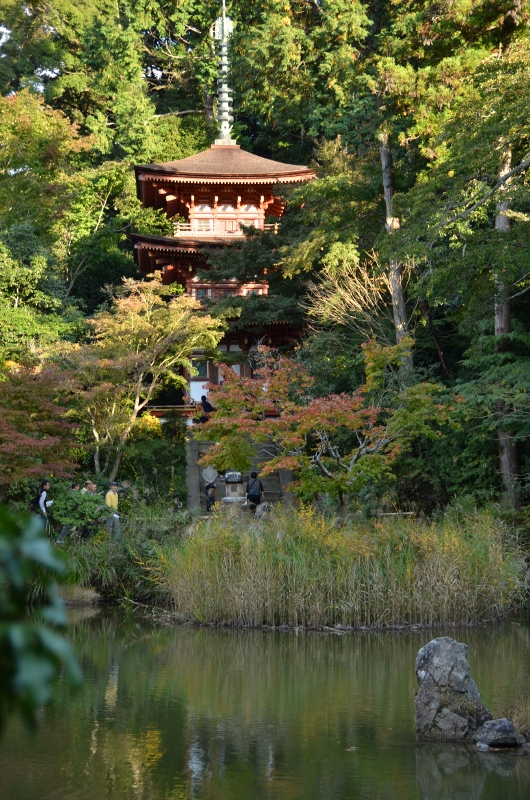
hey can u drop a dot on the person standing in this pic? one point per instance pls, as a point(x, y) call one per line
point(44, 503)
point(111, 500)
point(66, 529)
point(40, 503)
point(210, 495)
point(255, 492)
point(207, 409)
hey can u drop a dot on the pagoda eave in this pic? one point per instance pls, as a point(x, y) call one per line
point(222, 180)
point(185, 245)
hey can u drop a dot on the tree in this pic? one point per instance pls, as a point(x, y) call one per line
point(335, 443)
point(36, 144)
point(35, 438)
point(467, 231)
point(145, 339)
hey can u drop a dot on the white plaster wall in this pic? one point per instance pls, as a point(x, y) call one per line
point(196, 391)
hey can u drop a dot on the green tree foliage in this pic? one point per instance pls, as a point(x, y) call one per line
point(77, 508)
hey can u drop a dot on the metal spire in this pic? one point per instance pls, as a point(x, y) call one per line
point(223, 29)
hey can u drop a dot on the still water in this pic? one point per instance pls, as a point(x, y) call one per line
point(176, 713)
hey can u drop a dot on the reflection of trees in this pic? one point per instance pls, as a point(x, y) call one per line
point(180, 713)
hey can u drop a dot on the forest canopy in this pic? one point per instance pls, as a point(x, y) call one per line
point(415, 235)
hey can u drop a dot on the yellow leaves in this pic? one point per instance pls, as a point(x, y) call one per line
point(285, 21)
point(451, 173)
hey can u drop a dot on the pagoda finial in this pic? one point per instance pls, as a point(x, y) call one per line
point(222, 30)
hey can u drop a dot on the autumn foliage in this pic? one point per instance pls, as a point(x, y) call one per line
point(333, 443)
point(35, 437)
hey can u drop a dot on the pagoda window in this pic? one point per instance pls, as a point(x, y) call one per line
point(204, 224)
point(202, 293)
point(202, 369)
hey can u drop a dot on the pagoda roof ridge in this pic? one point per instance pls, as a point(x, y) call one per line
point(230, 162)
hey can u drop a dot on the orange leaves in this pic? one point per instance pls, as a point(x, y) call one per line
point(35, 437)
point(312, 436)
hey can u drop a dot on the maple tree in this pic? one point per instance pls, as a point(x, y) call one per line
point(144, 340)
point(335, 443)
point(35, 437)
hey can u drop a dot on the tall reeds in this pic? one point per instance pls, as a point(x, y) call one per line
point(297, 568)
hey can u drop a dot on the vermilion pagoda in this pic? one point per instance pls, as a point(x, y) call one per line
point(216, 192)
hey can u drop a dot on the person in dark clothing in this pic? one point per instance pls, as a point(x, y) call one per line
point(207, 409)
point(206, 405)
point(210, 495)
point(254, 492)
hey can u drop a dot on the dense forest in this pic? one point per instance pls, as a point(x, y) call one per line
point(406, 262)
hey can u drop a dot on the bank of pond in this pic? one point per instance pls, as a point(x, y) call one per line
point(296, 567)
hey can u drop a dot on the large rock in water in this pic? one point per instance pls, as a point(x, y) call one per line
point(499, 733)
point(448, 706)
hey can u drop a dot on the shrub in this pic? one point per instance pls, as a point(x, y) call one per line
point(123, 568)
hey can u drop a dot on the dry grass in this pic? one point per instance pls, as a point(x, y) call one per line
point(297, 568)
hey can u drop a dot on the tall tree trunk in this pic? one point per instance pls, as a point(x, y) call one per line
point(138, 406)
point(97, 466)
point(399, 308)
point(398, 301)
point(508, 453)
point(208, 108)
point(387, 167)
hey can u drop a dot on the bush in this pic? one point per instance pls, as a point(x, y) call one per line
point(297, 568)
point(122, 568)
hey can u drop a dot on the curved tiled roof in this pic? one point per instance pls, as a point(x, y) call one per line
point(231, 163)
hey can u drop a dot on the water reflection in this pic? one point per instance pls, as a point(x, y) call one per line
point(168, 714)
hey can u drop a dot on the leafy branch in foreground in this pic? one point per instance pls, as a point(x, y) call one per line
point(32, 652)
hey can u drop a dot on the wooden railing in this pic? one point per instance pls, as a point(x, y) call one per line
point(185, 229)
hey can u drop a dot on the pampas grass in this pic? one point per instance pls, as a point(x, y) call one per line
point(298, 568)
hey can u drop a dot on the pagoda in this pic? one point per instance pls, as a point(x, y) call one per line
point(212, 196)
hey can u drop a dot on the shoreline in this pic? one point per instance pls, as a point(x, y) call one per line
point(166, 617)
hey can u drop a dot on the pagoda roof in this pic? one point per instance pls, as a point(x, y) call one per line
point(229, 164)
point(182, 242)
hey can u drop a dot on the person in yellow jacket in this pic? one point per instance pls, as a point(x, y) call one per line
point(111, 500)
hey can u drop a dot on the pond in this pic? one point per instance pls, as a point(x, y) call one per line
point(170, 713)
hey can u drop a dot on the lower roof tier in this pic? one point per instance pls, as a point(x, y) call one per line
point(179, 261)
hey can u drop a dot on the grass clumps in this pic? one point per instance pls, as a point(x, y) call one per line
point(123, 568)
point(298, 568)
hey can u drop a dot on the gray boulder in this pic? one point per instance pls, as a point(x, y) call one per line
point(499, 733)
point(448, 706)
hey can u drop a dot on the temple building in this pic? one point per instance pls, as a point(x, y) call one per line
point(211, 197)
